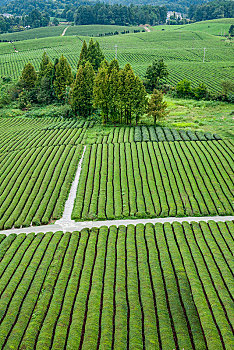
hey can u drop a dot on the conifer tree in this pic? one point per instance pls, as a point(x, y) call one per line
point(45, 85)
point(28, 77)
point(101, 91)
point(113, 91)
point(63, 78)
point(83, 55)
point(94, 54)
point(156, 106)
point(43, 66)
point(82, 90)
point(140, 99)
point(155, 72)
point(130, 87)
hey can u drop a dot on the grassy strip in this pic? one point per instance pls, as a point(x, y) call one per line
point(165, 180)
point(118, 201)
point(147, 294)
point(136, 321)
point(93, 206)
point(131, 181)
point(18, 246)
point(184, 288)
point(79, 311)
point(91, 325)
point(63, 320)
point(121, 320)
point(108, 294)
point(177, 312)
point(101, 205)
point(110, 183)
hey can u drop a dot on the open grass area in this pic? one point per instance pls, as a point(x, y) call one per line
point(144, 287)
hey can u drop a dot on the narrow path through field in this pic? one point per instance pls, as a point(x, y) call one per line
point(64, 32)
point(65, 224)
point(77, 226)
point(147, 29)
point(66, 218)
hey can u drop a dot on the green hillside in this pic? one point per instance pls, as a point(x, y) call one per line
point(182, 50)
point(214, 27)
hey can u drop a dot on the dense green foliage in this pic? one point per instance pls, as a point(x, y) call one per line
point(34, 19)
point(156, 106)
point(166, 285)
point(211, 10)
point(119, 94)
point(155, 73)
point(101, 13)
point(155, 179)
point(38, 164)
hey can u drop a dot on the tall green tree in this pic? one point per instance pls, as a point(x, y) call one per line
point(81, 95)
point(130, 89)
point(140, 99)
point(83, 55)
point(28, 77)
point(154, 73)
point(156, 106)
point(94, 54)
point(43, 66)
point(63, 78)
point(113, 91)
point(101, 91)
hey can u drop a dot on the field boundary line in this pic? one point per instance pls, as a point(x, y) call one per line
point(66, 218)
point(64, 32)
point(78, 226)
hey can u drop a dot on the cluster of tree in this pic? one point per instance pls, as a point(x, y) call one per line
point(102, 13)
point(185, 90)
point(34, 19)
point(19, 7)
point(212, 10)
point(155, 75)
point(53, 80)
point(117, 94)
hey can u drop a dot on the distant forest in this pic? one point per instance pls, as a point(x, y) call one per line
point(55, 7)
point(38, 13)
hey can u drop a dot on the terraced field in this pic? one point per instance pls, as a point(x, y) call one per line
point(144, 287)
point(155, 179)
point(38, 162)
point(127, 172)
point(182, 50)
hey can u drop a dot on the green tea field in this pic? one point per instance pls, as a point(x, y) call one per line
point(143, 287)
point(181, 48)
point(127, 172)
point(114, 236)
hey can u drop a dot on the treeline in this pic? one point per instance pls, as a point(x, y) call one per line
point(34, 19)
point(102, 13)
point(91, 12)
point(211, 10)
